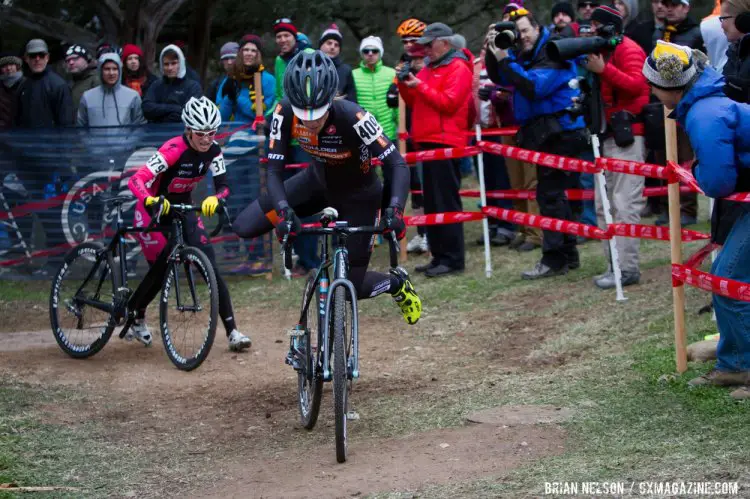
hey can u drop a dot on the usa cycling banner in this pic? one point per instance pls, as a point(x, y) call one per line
point(52, 183)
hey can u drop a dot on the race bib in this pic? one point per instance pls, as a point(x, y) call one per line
point(157, 164)
point(368, 129)
point(217, 166)
point(276, 123)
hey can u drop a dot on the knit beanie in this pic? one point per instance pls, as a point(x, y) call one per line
point(78, 51)
point(515, 5)
point(669, 66)
point(284, 24)
point(229, 50)
point(130, 49)
point(254, 39)
point(565, 8)
point(8, 58)
point(608, 15)
point(373, 42)
point(331, 33)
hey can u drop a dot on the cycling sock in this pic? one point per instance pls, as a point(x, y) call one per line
point(396, 283)
point(140, 316)
point(229, 324)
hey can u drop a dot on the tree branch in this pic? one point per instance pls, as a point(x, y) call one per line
point(47, 26)
point(113, 6)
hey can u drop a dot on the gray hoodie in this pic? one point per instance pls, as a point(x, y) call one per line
point(110, 105)
point(632, 6)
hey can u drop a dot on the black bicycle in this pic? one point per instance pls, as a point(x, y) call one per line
point(328, 327)
point(90, 295)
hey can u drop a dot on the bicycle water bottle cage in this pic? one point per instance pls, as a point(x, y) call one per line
point(328, 215)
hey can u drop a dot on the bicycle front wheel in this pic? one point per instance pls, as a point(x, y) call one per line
point(310, 378)
point(82, 299)
point(341, 321)
point(188, 309)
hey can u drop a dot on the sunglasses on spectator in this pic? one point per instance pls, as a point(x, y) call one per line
point(285, 20)
point(210, 134)
point(588, 5)
point(38, 55)
point(724, 18)
point(370, 51)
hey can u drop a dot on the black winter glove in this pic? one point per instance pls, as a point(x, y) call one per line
point(289, 224)
point(391, 98)
point(485, 92)
point(737, 89)
point(393, 221)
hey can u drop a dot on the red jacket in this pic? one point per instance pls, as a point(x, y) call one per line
point(442, 103)
point(623, 85)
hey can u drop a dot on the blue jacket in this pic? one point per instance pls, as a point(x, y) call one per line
point(540, 85)
point(241, 107)
point(719, 131)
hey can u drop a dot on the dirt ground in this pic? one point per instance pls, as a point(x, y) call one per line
point(233, 423)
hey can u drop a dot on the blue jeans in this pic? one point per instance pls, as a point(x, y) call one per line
point(306, 247)
point(733, 316)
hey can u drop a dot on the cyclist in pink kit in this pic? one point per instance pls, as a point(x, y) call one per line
point(170, 177)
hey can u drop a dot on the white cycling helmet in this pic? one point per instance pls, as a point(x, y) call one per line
point(201, 114)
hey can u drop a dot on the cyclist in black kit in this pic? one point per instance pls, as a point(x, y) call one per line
point(343, 139)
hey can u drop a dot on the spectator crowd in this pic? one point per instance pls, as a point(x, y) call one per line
point(446, 91)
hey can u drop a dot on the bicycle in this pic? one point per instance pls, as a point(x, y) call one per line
point(328, 312)
point(101, 296)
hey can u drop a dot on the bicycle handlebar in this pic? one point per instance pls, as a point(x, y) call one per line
point(184, 208)
point(392, 240)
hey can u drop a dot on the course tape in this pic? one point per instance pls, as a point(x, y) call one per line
point(539, 158)
point(572, 194)
point(652, 232)
point(682, 274)
point(634, 168)
point(452, 217)
point(546, 223)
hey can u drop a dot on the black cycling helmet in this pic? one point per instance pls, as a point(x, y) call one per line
point(311, 83)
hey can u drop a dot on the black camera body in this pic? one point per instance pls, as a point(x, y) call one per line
point(570, 48)
point(403, 73)
point(506, 34)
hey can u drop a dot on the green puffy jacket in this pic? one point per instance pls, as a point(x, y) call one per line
point(372, 87)
point(278, 72)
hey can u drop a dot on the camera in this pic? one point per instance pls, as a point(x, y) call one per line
point(506, 34)
point(570, 48)
point(403, 73)
point(581, 106)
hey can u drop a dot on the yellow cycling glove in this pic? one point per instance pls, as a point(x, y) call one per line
point(208, 208)
point(164, 202)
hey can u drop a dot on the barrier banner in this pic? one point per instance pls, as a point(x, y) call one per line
point(52, 183)
point(546, 223)
point(539, 158)
point(730, 288)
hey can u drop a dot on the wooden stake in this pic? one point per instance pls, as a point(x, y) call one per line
point(261, 130)
point(675, 243)
point(402, 149)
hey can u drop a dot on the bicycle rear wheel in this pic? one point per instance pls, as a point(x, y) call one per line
point(188, 309)
point(342, 320)
point(310, 378)
point(85, 279)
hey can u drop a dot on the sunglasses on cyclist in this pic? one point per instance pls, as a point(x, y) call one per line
point(370, 51)
point(210, 134)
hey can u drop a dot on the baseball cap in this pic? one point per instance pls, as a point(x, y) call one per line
point(37, 46)
point(434, 31)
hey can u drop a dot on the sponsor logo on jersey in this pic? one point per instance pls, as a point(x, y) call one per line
point(276, 156)
point(331, 130)
point(364, 158)
point(387, 152)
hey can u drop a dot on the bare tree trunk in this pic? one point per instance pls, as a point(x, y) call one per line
point(200, 36)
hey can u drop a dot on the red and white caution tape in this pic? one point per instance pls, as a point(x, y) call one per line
point(546, 223)
point(452, 217)
point(539, 158)
point(652, 232)
point(634, 168)
point(682, 274)
point(684, 175)
point(440, 154)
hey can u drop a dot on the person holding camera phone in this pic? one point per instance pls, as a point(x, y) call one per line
point(517, 57)
point(625, 92)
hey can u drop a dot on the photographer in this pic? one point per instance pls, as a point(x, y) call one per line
point(624, 91)
point(540, 101)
